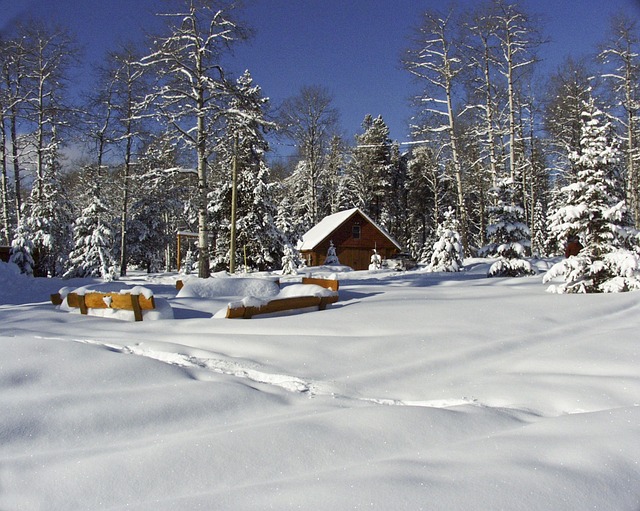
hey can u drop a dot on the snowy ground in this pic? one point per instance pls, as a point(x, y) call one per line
point(414, 391)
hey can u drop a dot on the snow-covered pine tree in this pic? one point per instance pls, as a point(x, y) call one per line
point(21, 251)
point(159, 204)
point(448, 253)
point(369, 173)
point(92, 255)
point(593, 212)
point(426, 251)
point(290, 261)
point(427, 193)
point(539, 241)
point(508, 234)
point(47, 220)
point(256, 230)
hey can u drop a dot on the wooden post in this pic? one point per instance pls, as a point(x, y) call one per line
point(83, 305)
point(135, 302)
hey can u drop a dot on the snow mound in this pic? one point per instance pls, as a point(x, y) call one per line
point(16, 288)
point(294, 290)
point(217, 286)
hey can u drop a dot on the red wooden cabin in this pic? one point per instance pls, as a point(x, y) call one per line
point(354, 236)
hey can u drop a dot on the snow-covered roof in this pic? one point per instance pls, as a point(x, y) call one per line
point(317, 234)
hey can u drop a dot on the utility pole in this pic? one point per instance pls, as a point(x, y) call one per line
point(234, 187)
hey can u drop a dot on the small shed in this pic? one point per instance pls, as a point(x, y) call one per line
point(354, 236)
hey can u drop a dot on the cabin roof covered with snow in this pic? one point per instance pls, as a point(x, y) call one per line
point(321, 231)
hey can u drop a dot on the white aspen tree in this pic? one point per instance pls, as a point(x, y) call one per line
point(482, 49)
point(436, 61)
point(13, 70)
point(310, 120)
point(519, 38)
point(129, 86)
point(49, 53)
point(622, 54)
point(4, 182)
point(192, 90)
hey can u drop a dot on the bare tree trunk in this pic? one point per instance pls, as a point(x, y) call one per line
point(457, 168)
point(14, 152)
point(203, 232)
point(6, 230)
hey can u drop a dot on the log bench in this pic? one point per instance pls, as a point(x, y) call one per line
point(117, 301)
point(280, 305)
point(287, 304)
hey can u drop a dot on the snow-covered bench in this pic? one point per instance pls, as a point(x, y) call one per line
point(117, 301)
point(312, 293)
point(249, 309)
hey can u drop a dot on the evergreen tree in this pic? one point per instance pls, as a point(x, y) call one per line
point(22, 251)
point(92, 255)
point(159, 195)
point(427, 192)
point(539, 240)
point(448, 253)
point(290, 261)
point(257, 233)
point(593, 212)
point(508, 234)
point(370, 171)
point(47, 223)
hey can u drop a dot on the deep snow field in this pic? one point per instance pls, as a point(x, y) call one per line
point(415, 391)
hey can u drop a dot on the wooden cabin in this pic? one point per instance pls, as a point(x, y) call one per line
point(354, 236)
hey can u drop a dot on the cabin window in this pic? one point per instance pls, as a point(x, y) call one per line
point(355, 232)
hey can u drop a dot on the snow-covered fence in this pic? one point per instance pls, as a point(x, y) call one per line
point(117, 301)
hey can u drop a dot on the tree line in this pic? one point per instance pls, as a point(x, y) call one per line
point(171, 140)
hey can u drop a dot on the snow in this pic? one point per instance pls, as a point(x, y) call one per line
point(416, 390)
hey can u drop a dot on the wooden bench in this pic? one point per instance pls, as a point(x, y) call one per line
point(93, 300)
point(280, 305)
point(287, 304)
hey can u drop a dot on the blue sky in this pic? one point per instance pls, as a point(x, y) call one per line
point(352, 47)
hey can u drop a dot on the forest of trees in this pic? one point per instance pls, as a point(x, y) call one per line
point(497, 150)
